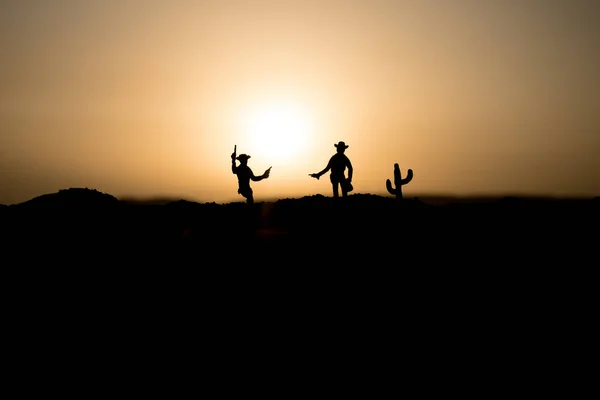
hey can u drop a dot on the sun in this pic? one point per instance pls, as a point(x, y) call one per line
point(278, 131)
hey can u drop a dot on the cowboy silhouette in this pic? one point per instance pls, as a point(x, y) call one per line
point(338, 164)
point(245, 175)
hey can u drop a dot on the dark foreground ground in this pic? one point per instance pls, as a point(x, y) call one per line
point(365, 243)
point(436, 281)
point(364, 234)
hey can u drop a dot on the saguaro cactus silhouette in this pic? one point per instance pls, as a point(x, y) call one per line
point(398, 181)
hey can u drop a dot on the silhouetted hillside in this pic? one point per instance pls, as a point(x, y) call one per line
point(375, 231)
point(367, 249)
point(72, 198)
point(364, 228)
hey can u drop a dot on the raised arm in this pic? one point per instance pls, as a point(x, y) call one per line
point(233, 156)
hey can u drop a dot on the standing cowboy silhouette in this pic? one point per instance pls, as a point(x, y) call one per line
point(338, 164)
point(245, 175)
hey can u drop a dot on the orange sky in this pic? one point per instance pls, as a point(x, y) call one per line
point(146, 98)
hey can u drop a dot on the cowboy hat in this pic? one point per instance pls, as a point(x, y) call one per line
point(243, 157)
point(341, 144)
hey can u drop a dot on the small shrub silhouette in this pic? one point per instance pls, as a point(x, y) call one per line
point(398, 181)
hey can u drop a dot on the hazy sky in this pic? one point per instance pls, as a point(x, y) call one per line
point(144, 98)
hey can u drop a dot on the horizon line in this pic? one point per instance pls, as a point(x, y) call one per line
point(157, 199)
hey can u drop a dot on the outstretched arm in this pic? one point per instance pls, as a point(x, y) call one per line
point(261, 177)
point(323, 171)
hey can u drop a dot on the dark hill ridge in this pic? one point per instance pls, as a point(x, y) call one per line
point(315, 209)
point(81, 197)
point(363, 225)
point(383, 251)
point(363, 220)
point(73, 197)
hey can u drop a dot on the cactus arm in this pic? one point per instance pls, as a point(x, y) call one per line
point(388, 185)
point(409, 176)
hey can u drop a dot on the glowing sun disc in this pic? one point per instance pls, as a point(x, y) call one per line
point(278, 132)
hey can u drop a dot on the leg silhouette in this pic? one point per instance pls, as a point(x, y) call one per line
point(335, 186)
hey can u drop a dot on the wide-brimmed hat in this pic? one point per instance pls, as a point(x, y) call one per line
point(341, 144)
point(243, 157)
